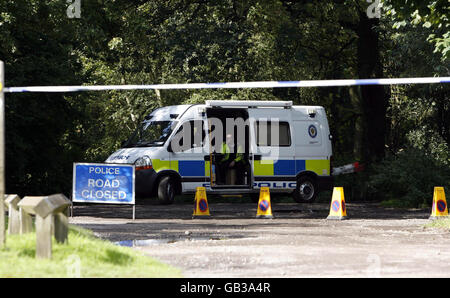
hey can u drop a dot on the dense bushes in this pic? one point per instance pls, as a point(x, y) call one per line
point(406, 179)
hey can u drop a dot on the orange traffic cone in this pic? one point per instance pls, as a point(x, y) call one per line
point(338, 208)
point(439, 209)
point(201, 203)
point(264, 207)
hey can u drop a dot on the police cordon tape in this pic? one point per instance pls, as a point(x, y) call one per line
point(235, 85)
point(347, 169)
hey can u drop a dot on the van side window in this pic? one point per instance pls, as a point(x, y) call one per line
point(198, 133)
point(264, 134)
point(195, 137)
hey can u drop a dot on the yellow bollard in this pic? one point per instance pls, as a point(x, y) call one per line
point(439, 208)
point(201, 203)
point(264, 207)
point(338, 209)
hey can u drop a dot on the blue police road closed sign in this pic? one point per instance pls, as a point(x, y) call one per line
point(103, 183)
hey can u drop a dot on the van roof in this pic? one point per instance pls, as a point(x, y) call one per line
point(248, 103)
point(176, 111)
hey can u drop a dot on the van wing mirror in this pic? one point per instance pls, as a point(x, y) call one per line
point(169, 147)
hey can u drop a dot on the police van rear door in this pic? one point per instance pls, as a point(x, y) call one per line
point(273, 160)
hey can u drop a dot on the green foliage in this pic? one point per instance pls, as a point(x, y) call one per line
point(427, 140)
point(430, 14)
point(408, 178)
point(37, 51)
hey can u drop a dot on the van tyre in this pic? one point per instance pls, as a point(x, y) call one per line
point(306, 190)
point(166, 191)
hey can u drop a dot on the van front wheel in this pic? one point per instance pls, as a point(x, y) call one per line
point(306, 190)
point(166, 190)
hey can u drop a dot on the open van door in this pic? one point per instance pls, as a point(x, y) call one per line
point(229, 147)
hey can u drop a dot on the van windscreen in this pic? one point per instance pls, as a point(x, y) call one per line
point(151, 133)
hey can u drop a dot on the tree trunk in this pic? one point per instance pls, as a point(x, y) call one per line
point(374, 101)
point(359, 128)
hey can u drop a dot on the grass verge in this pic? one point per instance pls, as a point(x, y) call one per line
point(83, 256)
point(443, 223)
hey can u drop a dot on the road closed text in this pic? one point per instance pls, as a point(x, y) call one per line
point(104, 194)
point(104, 183)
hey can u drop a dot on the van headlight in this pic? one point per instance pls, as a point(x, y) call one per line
point(143, 163)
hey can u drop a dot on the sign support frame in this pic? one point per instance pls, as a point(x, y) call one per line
point(97, 202)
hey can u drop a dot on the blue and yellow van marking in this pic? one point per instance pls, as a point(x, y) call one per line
point(291, 167)
point(282, 167)
point(160, 165)
point(191, 168)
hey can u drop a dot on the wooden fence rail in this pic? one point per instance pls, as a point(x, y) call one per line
point(51, 219)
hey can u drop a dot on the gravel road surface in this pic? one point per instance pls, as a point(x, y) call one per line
point(299, 242)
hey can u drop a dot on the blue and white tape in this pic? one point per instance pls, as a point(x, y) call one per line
point(234, 85)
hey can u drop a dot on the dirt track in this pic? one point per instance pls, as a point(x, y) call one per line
point(299, 242)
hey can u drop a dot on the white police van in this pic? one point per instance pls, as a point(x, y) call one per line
point(231, 147)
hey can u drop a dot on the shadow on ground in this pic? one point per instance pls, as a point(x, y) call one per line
point(238, 210)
